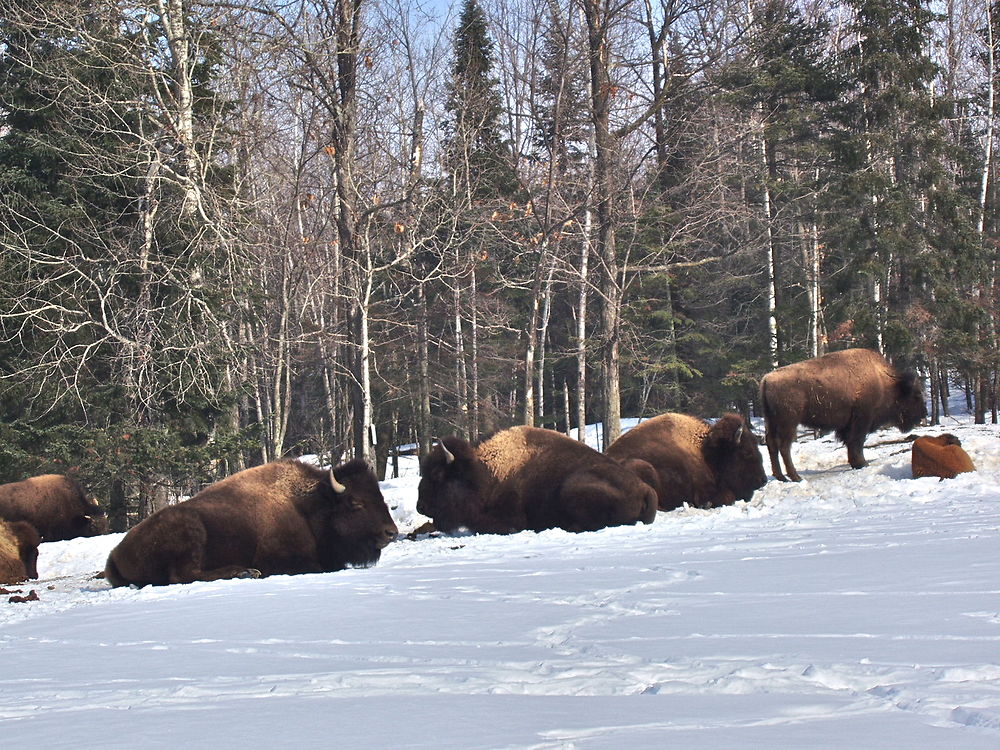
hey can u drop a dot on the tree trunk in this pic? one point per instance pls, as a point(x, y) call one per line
point(597, 15)
point(581, 330)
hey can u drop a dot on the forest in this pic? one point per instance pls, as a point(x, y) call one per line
point(237, 230)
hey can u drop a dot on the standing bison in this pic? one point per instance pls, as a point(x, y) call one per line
point(55, 505)
point(526, 478)
point(694, 462)
point(853, 392)
point(939, 456)
point(18, 551)
point(282, 517)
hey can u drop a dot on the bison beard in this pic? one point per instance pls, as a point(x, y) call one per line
point(280, 518)
point(853, 392)
point(527, 478)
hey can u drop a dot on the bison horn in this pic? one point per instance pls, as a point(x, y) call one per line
point(448, 455)
point(339, 488)
point(739, 435)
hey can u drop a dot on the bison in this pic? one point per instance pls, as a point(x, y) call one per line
point(18, 551)
point(692, 461)
point(854, 392)
point(527, 478)
point(282, 517)
point(55, 505)
point(940, 456)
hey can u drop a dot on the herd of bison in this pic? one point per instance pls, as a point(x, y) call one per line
point(288, 517)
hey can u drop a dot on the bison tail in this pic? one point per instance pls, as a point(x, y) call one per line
point(111, 573)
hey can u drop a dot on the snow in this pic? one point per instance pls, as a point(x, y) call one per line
point(856, 609)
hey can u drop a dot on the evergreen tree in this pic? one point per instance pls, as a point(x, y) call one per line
point(478, 157)
point(111, 274)
point(891, 172)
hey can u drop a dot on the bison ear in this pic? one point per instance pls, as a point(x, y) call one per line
point(337, 486)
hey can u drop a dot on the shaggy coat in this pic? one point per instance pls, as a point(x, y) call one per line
point(18, 551)
point(55, 505)
point(853, 392)
point(939, 456)
point(283, 517)
point(692, 461)
point(526, 478)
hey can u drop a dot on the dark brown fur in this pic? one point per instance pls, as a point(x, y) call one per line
point(853, 392)
point(18, 551)
point(279, 518)
point(702, 464)
point(939, 456)
point(55, 505)
point(526, 478)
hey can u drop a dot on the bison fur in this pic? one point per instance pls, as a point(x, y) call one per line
point(527, 478)
point(853, 392)
point(695, 462)
point(284, 517)
point(939, 456)
point(18, 551)
point(55, 505)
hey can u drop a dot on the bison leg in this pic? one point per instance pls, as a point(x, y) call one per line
point(781, 445)
point(856, 454)
point(854, 438)
point(190, 574)
point(772, 450)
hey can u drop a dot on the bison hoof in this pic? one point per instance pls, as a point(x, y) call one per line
point(794, 477)
point(249, 573)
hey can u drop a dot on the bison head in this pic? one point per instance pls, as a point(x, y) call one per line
point(358, 524)
point(731, 450)
point(911, 409)
point(452, 484)
point(92, 521)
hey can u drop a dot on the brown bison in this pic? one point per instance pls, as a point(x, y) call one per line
point(853, 392)
point(692, 461)
point(55, 505)
point(939, 456)
point(282, 517)
point(526, 478)
point(18, 551)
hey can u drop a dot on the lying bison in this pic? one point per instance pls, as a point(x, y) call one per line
point(18, 551)
point(853, 392)
point(694, 462)
point(939, 456)
point(282, 517)
point(55, 505)
point(526, 478)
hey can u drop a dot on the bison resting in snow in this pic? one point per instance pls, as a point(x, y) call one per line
point(853, 392)
point(694, 462)
point(282, 517)
point(55, 505)
point(18, 551)
point(939, 456)
point(526, 478)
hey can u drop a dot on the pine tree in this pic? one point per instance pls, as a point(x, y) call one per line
point(782, 85)
point(890, 162)
point(478, 158)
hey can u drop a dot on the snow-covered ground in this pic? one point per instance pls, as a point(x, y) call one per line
point(857, 609)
